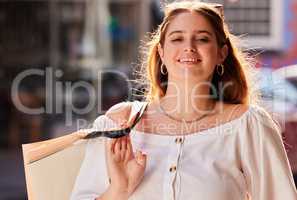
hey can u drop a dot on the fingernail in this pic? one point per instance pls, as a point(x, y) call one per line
point(141, 160)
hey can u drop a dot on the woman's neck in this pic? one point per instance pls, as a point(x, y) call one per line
point(187, 100)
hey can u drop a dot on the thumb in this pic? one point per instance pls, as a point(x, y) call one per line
point(141, 158)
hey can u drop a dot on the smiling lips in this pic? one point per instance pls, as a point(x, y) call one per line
point(189, 61)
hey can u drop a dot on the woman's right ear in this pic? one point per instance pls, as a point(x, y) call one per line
point(160, 51)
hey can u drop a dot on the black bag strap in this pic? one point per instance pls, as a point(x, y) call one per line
point(116, 133)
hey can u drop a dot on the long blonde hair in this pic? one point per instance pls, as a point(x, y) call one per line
point(237, 66)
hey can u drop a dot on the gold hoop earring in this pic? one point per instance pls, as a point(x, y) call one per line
point(220, 69)
point(163, 71)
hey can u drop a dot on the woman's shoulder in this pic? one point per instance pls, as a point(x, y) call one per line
point(257, 117)
point(259, 112)
point(251, 114)
point(119, 112)
point(229, 112)
point(239, 110)
point(114, 116)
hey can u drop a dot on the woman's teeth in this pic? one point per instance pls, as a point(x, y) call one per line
point(188, 60)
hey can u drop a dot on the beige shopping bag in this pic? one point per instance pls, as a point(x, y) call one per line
point(51, 166)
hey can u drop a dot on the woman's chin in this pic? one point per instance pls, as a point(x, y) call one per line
point(194, 74)
point(191, 70)
point(189, 65)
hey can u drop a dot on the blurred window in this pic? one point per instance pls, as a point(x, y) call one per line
point(261, 21)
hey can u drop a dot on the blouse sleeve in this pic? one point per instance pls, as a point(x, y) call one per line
point(264, 160)
point(92, 179)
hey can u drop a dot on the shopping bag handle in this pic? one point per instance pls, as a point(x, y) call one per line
point(117, 133)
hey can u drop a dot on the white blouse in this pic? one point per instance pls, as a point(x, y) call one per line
point(238, 160)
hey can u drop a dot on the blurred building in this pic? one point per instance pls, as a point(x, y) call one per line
point(78, 40)
point(73, 43)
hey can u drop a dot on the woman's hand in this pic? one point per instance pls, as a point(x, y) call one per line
point(125, 168)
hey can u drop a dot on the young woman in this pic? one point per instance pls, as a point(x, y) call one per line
point(200, 137)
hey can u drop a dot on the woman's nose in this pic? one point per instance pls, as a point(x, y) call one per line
point(190, 49)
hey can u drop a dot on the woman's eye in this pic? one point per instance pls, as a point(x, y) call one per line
point(176, 40)
point(202, 39)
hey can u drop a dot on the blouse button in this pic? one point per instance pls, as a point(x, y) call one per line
point(178, 140)
point(172, 169)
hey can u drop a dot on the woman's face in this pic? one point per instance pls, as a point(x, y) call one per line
point(190, 48)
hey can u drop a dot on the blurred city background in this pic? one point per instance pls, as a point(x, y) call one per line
point(54, 50)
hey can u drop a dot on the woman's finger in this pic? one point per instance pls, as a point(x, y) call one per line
point(117, 146)
point(129, 151)
point(123, 147)
point(141, 158)
point(117, 150)
point(112, 145)
point(109, 145)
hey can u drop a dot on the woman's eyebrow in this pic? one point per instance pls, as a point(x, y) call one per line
point(174, 32)
point(197, 32)
point(203, 31)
